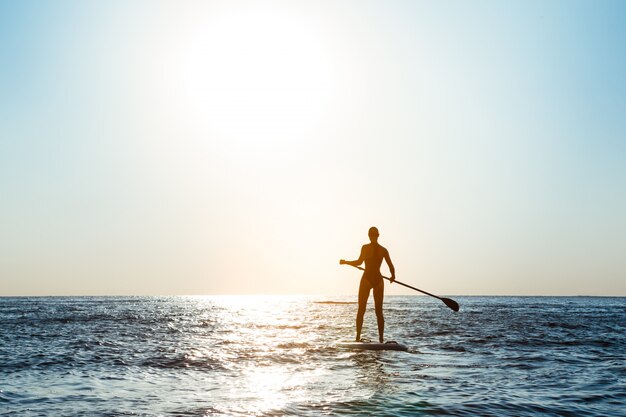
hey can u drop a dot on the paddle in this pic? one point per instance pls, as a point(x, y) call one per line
point(450, 303)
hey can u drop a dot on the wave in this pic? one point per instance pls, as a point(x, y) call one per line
point(334, 302)
point(154, 357)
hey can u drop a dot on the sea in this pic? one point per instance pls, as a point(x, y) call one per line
point(278, 356)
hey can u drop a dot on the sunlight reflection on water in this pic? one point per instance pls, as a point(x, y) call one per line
point(247, 355)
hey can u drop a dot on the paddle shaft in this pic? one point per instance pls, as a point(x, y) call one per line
point(403, 284)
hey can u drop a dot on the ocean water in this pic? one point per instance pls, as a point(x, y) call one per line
point(273, 356)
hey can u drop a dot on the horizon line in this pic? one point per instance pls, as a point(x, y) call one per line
point(298, 295)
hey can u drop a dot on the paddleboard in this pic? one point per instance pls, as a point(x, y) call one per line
point(373, 346)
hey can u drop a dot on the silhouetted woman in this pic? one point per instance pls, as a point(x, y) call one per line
point(373, 255)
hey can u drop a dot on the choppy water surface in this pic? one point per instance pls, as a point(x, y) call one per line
point(193, 356)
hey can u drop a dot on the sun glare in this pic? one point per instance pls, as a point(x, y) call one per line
point(257, 74)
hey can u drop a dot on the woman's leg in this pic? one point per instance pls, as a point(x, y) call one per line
point(364, 293)
point(379, 292)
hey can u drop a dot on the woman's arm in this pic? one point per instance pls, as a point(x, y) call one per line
point(391, 267)
point(357, 262)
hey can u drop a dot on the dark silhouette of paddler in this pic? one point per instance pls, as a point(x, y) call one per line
point(373, 255)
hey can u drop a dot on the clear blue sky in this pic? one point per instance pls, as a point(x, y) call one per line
point(153, 147)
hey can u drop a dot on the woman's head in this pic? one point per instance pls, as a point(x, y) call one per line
point(373, 234)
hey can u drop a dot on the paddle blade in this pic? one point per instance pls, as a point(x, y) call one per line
point(451, 303)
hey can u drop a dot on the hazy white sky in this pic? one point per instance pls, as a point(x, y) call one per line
point(245, 147)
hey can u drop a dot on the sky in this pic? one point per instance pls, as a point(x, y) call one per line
point(244, 147)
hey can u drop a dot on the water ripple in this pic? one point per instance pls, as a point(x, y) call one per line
point(268, 356)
